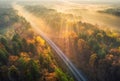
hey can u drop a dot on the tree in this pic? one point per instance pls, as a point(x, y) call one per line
point(84, 52)
point(82, 45)
point(24, 45)
point(33, 73)
point(16, 37)
point(101, 53)
point(93, 43)
point(15, 48)
point(92, 60)
point(62, 76)
point(3, 57)
point(4, 73)
point(13, 73)
point(3, 41)
point(41, 59)
point(22, 65)
point(32, 48)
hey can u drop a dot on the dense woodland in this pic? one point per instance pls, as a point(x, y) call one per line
point(112, 11)
point(24, 55)
point(7, 19)
point(97, 50)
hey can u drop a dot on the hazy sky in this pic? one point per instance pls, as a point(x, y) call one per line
point(62, 0)
point(95, 0)
point(70, 0)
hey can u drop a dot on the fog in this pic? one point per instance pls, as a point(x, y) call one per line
point(80, 1)
point(87, 12)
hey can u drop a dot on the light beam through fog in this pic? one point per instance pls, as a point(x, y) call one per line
point(35, 22)
point(65, 22)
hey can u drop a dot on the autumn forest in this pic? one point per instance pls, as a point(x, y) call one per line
point(40, 42)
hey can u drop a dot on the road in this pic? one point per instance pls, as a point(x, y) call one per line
point(33, 20)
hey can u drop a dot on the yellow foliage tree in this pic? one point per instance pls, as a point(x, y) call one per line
point(92, 60)
point(40, 41)
point(82, 45)
point(25, 56)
